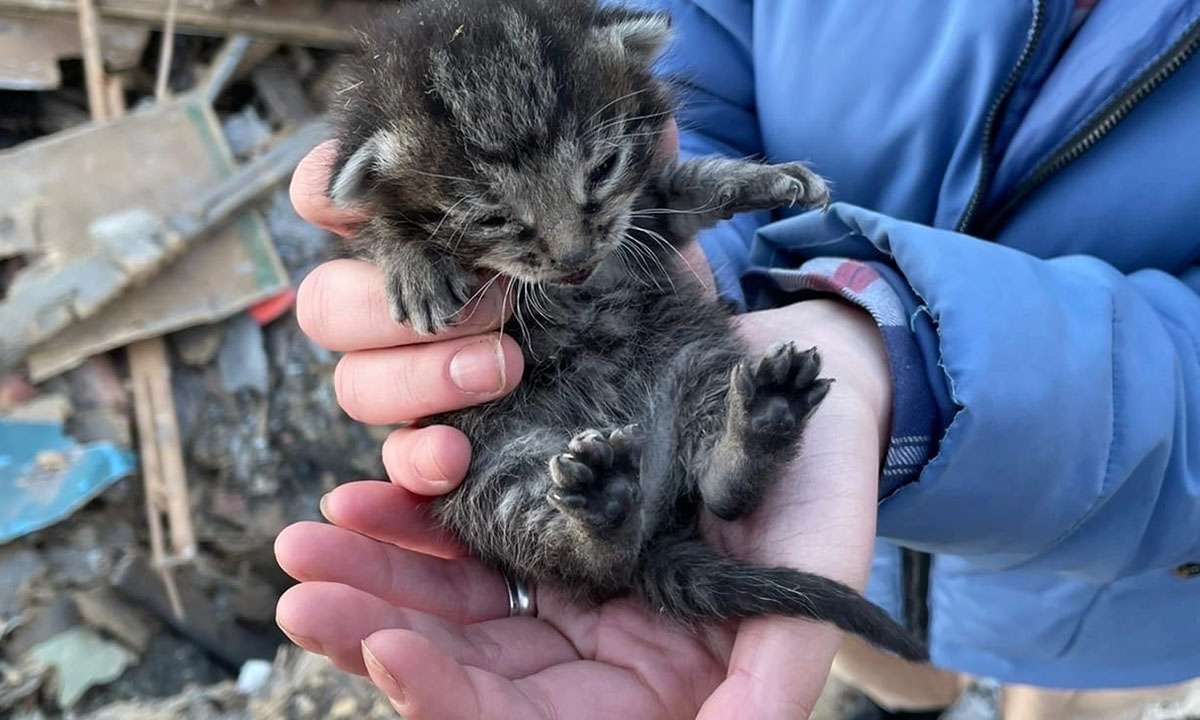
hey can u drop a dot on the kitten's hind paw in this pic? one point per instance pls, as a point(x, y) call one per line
point(596, 481)
point(778, 392)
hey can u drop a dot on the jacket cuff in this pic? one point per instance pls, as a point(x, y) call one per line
point(916, 423)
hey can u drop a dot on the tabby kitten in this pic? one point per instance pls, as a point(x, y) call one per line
point(518, 138)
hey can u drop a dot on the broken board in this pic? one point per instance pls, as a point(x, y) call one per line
point(160, 159)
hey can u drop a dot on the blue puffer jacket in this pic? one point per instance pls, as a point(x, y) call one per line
point(1035, 202)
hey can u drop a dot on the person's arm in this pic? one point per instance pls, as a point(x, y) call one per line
point(1072, 392)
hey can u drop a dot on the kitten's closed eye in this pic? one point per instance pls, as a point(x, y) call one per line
point(492, 222)
point(603, 170)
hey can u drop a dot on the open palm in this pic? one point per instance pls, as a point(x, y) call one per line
point(383, 592)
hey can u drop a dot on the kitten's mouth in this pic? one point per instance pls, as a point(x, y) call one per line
point(578, 276)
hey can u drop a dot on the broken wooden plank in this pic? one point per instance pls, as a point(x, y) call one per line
point(168, 512)
point(165, 157)
point(132, 245)
point(316, 23)
point(31, 48)
point(93, 63)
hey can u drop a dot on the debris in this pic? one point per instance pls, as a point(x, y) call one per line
point(42, 409)
point(317, 23)
point(253, 676)
point(45, 475)
point(177, 572)
point(278, 85)
point(81, 659)
point(132, 244)
point(242, 360)
point(197, 346)
point(103, 610)
point(18, 571)
point(18, 682)
point(163, 473)
point(165, 156)
point(205, 624)
point(43, 620)
point(31, 49)
point(15, 391)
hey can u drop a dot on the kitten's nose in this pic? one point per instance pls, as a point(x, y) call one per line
point(572, 256)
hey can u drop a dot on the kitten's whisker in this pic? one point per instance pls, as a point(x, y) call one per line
point(445, 215)
point(638, 251)
point(477, 294)
point(621, 120)
point(656, 258)
point(663, 241)
point(610, 103)
point(625, 254)
point(436, 175)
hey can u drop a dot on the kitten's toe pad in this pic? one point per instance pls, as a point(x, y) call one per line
point(596, 481)
point(778, 392)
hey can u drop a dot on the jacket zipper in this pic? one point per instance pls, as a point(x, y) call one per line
point(1114, 113)
point(990, 125)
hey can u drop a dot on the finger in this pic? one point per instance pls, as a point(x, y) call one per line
point(397, 385)
point(308, 192)
point(333, 620)
point(778, 669)
point(389, 514)
point(342, 305)
point(459, 590)
point(425, 682)
point(427, 461)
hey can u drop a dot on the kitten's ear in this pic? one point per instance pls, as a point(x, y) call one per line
point(349, 187)
point(643, 35)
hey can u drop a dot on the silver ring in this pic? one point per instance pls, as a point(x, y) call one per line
point(521, 600)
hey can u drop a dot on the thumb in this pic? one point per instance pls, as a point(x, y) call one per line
point(777, 670)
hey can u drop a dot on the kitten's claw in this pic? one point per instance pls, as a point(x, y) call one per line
point(596, 481)
point(800, 186)
point(428, 300)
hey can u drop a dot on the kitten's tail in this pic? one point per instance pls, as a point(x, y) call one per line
point(686, 579)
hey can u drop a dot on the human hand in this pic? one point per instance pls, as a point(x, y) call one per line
point(428, 624)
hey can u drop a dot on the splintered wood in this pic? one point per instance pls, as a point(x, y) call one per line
point(163, 473)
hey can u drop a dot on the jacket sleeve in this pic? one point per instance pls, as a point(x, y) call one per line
point(1072, 392)
point(711, 66)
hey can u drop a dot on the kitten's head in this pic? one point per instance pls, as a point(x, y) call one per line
point(515, 135)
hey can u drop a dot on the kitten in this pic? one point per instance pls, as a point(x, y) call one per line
point(518, 138)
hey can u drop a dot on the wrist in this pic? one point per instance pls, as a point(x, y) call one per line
point(852, 353)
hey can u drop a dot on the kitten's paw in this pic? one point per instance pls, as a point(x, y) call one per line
point(775, 395)
point(596, 481)
point(428, 299)
point(797, 185)
point(765, 187)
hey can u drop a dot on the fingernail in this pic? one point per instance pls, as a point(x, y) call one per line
point(388, 682)
point(476, 368)
point(427, 466)
point(324, 507)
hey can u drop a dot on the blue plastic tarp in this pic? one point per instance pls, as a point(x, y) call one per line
point(45, 475)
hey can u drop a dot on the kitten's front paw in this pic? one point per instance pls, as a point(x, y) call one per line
point(773, 397)
point(428, 299)
point(797, 185)
point(596, 482)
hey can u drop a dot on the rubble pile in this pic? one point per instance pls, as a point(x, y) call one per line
point(161, 415)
